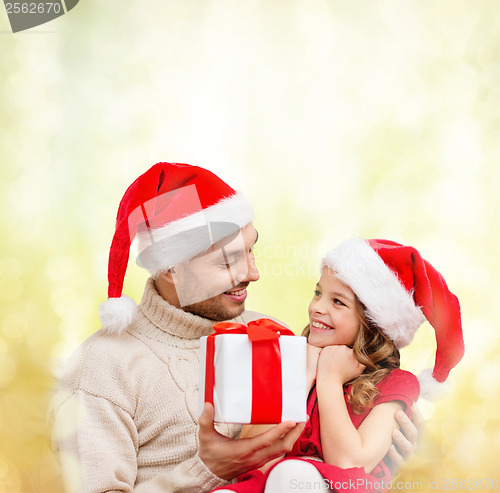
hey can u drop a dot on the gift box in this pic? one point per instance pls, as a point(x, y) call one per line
point(254, 374)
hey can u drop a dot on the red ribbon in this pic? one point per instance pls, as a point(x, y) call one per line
point(266, 366)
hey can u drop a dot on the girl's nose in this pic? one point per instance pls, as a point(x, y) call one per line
point(317, 307)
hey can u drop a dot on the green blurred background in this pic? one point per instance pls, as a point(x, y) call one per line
point(336, 119)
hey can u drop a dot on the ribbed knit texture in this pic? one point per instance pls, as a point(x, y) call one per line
point(125, 414)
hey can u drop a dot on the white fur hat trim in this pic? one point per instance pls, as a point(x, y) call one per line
point(430, 388)
point(387, 302)
point(234, 209)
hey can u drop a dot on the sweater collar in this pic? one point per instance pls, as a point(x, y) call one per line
point(170, 319)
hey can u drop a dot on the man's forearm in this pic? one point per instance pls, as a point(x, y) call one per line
point(98, 444)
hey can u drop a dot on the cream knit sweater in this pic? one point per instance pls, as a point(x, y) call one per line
point(125, 414)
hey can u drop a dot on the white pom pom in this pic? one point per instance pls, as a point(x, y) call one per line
point(117, 314)
point(430, 388)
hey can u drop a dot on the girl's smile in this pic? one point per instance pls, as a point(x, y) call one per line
point(319, 326)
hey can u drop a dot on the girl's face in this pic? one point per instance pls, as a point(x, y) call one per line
point(332, 313)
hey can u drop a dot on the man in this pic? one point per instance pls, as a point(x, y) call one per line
point(126, 415)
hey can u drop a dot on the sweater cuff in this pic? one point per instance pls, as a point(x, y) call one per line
point(200, 471)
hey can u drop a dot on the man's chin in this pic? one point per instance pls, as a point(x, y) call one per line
point(237, 312)
point(217, 309)
point(224, 314)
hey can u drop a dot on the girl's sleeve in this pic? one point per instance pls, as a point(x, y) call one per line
point(399, 385)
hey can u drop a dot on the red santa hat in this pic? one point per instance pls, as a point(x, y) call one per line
point(176, 211)
point(400, 290)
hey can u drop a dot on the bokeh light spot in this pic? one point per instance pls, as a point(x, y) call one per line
point(10, 289)
point(11, 267)
point(8, 368)
point(14, 325)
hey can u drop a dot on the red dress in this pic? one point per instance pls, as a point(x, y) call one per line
point(399, 385)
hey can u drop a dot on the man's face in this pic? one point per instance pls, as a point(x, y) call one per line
point(214, 285)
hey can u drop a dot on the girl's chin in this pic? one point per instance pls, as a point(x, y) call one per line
point(317, 344)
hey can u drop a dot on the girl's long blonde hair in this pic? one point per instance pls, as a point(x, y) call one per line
point(377, 352)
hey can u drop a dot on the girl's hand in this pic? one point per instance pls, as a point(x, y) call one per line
point(338, 363)
point(312, 365)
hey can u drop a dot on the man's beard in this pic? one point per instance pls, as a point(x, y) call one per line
point(213, 309)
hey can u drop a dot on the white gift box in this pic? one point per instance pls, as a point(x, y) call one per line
point(233, 361)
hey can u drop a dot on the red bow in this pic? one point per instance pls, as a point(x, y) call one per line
point(264, 335)
point(263, 329)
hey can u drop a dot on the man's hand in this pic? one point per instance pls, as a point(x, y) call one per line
point(404, 441)
point(228, 458)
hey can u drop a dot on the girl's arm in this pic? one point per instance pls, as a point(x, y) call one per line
point(343, 445)
point(313, 353)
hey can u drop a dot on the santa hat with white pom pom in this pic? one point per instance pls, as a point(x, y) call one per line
point(175, 211)
point(400, 290)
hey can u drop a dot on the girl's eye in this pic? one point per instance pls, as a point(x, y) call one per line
point(317, 293)
point(336, 301)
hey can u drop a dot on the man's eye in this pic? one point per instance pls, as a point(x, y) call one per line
point(229, 262)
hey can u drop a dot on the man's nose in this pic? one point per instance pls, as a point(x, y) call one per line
point(251, 273)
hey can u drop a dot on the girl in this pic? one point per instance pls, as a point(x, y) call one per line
point(371, 298)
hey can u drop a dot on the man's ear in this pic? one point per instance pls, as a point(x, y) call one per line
point(167, 275)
